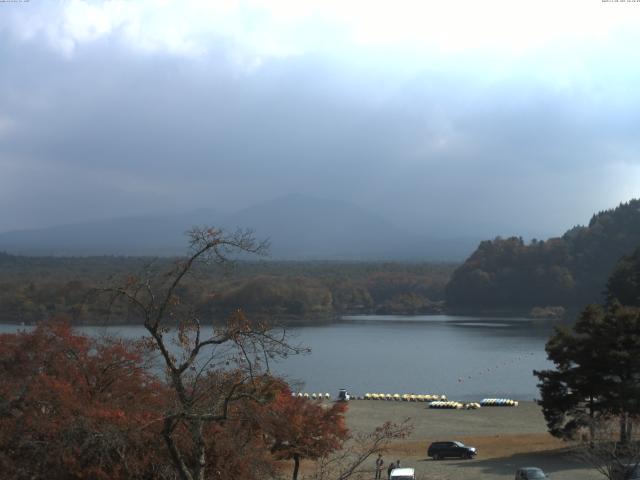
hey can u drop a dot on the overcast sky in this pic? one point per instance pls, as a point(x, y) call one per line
point(452, 118)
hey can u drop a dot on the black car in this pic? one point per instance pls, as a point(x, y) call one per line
point(439, 450)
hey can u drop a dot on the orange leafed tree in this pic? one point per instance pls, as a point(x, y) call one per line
point(301, 428)
point(75, 407)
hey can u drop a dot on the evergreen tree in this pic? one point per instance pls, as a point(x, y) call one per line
point(597, 371)
point(624, 284)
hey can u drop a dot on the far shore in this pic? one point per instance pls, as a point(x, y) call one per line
point(323, 319)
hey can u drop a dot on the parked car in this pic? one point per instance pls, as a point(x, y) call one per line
point(530, 473)
point(439, 450)
point(343, 395)
point(630, 471)
point(403, 474)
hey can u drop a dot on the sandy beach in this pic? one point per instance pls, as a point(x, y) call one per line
point(506, 438)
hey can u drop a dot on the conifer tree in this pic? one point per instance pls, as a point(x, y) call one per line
point(597, 371)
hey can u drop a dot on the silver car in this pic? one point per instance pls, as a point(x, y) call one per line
point(530, 473)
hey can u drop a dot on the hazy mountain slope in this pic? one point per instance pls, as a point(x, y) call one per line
point(142, 235)
point(306, 227)
point(298, 227)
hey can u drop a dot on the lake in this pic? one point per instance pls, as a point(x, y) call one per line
point(466, 358)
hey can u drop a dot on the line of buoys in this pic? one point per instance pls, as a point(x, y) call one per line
point(435, 401)
point(405, 397)
point(505, 363)
point(449, 404)
point(498, 402)
point(312, 396)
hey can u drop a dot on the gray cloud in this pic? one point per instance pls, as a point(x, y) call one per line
point(110, 131)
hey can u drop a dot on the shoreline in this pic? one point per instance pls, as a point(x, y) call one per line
point(329, 319)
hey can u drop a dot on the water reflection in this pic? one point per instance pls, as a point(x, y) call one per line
point(463, 357)
point(466, 358)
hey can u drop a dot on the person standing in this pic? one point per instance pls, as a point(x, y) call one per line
point(390, 469)
point(379, 464)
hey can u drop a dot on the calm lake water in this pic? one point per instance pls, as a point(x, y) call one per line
point(466, 358)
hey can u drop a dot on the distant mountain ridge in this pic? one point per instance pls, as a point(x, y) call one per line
point(140, 235)
point(571, 270)
point(299, 227)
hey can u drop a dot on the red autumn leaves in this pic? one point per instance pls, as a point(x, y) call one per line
point(78, 407)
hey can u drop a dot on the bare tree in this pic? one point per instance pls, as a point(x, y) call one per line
point(349, 463)
point(600, 447)
point(209, 367)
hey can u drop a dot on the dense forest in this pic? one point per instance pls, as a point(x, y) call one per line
point(503, 274)
point(569, 271)
point(34, 288)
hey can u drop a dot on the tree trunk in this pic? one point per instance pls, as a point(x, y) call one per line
point(296, 466)
point(625, 426)
point(592, 424)
point(178, 461)
point(200, 450)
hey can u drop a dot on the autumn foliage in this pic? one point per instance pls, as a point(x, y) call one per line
point(302, 428)
point(187, 401)
point(75, 407)
point(80, 407)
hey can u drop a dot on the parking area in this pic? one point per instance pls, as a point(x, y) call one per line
point(507, 438)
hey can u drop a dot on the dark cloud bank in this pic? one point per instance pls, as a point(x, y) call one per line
point(112, 133)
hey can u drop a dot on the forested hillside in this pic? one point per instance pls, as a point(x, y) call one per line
point(34, 288)
point(571, 270)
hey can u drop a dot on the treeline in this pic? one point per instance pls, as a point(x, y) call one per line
point(34, 288)
point(571, 270)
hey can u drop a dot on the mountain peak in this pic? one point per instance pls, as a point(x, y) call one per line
point(298, 227)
